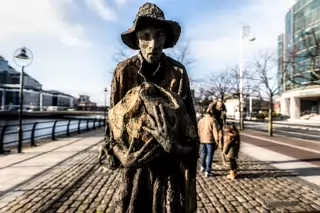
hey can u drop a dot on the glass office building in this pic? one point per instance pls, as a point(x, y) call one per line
point(301, 33)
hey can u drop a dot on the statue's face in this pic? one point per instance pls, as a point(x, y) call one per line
point(151, 42)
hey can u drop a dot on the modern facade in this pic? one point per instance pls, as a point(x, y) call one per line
point(299, 87)
point(34, 96)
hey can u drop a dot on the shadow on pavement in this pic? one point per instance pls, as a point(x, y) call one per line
point(263, 173)
point(292, 161)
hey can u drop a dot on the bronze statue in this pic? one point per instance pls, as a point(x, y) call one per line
point(219, 113)
point(231, 148)
point(153, 133)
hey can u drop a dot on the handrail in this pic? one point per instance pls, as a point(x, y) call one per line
point(32, 134)
point(34, 131)
point(68, 128)
point(53, 137)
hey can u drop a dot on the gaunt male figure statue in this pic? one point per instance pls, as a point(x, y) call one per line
point(219, 113)
point(167, 182)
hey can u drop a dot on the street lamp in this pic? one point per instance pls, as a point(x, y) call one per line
point(22, 57)
point(244, 34)
point(105, 105)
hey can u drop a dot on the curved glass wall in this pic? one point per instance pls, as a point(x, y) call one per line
point(302, 33)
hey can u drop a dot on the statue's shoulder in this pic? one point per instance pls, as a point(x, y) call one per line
point(176, 64)
point(127, 64)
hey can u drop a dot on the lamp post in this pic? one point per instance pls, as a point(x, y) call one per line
point(22, 57)
point(244, 34)
point(105, 105)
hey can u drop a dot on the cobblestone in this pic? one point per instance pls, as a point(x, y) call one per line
point(81, 186)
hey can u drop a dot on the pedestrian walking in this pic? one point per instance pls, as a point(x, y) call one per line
point(208, 134)
point(231, 148)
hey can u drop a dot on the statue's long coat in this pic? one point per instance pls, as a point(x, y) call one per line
point(232, 144)
point(161, 186)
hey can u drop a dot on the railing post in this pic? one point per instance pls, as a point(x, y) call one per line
point(68, 128)
point(2, 139)
point(79, 126)
point(87, 128)
point(94, 123)
point(32, 134)
point(53, 130)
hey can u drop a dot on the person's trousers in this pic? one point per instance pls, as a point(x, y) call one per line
point(207, 151)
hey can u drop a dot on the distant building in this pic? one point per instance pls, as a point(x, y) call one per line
point(34, 96)
point(84, 98)
point(233, 110)
point(84, 103)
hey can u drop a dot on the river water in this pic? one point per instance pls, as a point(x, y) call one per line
point(43, 128)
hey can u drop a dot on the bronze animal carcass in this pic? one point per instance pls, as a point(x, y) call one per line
point(136, 110)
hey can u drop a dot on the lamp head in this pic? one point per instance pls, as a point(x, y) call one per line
point(23, 54)
point(23, 57)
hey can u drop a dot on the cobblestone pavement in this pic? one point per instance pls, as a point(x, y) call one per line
point(81, 186)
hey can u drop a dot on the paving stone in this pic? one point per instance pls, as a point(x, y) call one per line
point(262, 210)
point(82, 187)
point(241, 199)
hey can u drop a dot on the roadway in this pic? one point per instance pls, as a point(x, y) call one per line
point(313, 134)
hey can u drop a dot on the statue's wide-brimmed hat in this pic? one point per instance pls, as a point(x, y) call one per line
point(151, 13)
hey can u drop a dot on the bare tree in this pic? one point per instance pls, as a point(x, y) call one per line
point(218, 85)
point(301, 65)
point(265, 75)
point(250, 87)
point(182, 54)
point(123, 53)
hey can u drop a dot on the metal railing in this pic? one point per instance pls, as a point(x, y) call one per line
point(35, 131)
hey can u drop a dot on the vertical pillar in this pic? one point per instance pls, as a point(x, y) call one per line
point(284, 106)
point(3, 99)
point(294, 108)
point(250, 105)
point(41, 101)
point(71, 104)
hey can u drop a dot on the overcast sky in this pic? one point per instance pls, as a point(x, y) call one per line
point(74, 41)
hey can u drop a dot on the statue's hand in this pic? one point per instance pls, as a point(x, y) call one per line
point(136, 159)
point(163, 133)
